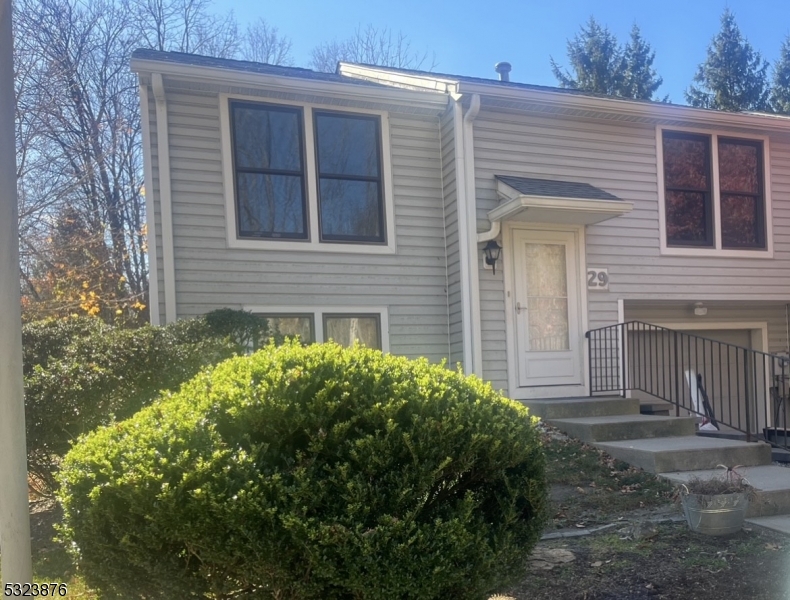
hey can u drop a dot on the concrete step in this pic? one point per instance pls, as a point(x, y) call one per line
point(624, 427)
point(662, 409)
point(688, 453)
point(567, 408)
point(772, 485)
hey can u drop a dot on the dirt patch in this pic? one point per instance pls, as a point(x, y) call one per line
point(671, 564)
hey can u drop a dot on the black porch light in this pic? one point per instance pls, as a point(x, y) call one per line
point(492, 252)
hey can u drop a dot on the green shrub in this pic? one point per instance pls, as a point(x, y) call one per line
point(81, 373)
point(310, 473)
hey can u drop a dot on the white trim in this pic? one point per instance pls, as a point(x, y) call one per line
point(311, 187)
point(620, 321)
point(165, 196)
point(717, 250)
point(470, 189)
point(318, 313)
point(150, 214)
point(524, 393)
point(463, 236)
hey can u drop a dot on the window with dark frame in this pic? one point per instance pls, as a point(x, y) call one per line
point(689, 196)
point(345, 329)
point(269, 171)
point(741, 190)
point(350, 186)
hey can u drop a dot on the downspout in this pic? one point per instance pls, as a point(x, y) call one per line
point(471, 211)
point(463, 232)
point(165, 195)
point(150, 214)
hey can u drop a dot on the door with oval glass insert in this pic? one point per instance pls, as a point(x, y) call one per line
point(547, 308)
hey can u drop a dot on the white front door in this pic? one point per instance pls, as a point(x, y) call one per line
point(547, 307)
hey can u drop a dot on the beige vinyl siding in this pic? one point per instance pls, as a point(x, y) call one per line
point(454, 297)
point(621, 159)
point(209, 275)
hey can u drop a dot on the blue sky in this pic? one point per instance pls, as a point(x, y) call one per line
point(469, 37)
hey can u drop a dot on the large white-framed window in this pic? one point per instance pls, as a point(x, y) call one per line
point(302, 176)
point(367, 324)
point(714, 193)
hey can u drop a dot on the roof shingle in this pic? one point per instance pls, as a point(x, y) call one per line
point(556, 189)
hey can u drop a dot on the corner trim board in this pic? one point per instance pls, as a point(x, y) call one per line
point(165, 196)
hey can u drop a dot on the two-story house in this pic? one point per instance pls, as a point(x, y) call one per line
point(363, 205)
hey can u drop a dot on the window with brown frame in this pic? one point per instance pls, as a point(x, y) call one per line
point(691, 199)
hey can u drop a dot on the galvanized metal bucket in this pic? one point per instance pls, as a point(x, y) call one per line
point(721, 514)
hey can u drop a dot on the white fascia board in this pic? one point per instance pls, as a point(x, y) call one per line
point(647, 110)
point(399, 79)
point(587, 212)
point(421, 99)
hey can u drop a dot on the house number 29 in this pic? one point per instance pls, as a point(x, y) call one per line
point(597, 279)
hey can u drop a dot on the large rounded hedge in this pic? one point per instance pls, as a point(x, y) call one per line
point(311, 472)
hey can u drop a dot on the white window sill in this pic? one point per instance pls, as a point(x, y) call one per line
point(717, 253)
point(305, 246)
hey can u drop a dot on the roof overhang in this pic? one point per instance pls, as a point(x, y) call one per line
point(516, 206)
point(530, 98)
point(414, 98)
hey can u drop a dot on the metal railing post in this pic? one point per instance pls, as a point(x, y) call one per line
point(677, 375)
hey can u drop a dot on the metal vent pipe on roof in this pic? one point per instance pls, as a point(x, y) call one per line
point(503, 68)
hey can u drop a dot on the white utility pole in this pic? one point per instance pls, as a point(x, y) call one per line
point(15, 557)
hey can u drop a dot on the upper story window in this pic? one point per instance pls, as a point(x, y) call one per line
point(714, 192)
point(269, 167)
point(349, 177)
point(303, 177)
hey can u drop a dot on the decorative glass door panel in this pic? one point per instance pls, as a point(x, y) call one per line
point(547, 307)
point(547, 297)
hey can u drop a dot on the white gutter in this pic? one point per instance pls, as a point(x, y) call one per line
point(463, 233)
point(150, 215)
point(165, 195)
point(471, 211)
point(15, 564)
point(652, 112)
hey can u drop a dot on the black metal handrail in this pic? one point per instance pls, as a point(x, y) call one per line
point(745, 390)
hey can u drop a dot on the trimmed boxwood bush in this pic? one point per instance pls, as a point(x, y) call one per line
point(81, 373)
point(311, 472)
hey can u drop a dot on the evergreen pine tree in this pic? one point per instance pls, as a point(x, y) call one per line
point(734, 76)
point(640, 80)
point(780, 91)
point(596, 59)
point(600, 64)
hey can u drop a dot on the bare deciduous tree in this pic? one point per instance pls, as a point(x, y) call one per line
point(264, 43)
point(183, 26)
point(371, 46)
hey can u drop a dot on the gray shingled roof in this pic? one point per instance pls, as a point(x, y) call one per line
point(197, 60)
point(556, 189)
